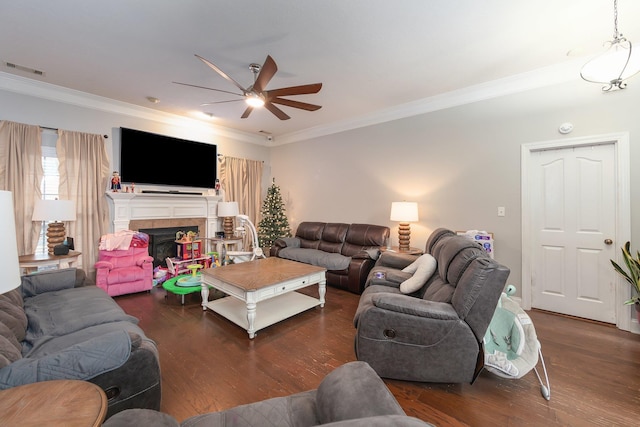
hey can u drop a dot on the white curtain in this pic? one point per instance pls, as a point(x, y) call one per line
point(84, 174)
point(21, 173)
point(241, 180)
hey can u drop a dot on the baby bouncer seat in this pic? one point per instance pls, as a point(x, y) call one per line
point(256, 252)
point(511, 345)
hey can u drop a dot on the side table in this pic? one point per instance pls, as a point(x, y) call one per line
point(411, 251)
point(237, 242)
point(68, 403)
point(30, 263)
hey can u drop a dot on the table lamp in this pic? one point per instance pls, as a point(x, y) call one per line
point(405, 212)
point(54, 211)
point(10, 271)
point(228, 210)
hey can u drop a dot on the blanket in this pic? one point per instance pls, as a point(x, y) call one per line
point(123, 240)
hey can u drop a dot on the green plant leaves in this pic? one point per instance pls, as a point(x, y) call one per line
point(633, 274)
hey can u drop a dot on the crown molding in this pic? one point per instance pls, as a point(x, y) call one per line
point(25, 86)
point(542, 77)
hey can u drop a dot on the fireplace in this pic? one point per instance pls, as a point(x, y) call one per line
point(162, 242)
point(164, 214)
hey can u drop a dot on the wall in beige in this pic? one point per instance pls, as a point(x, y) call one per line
point(459, 164)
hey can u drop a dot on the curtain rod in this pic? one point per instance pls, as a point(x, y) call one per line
point(56, 130)
point(220, 156)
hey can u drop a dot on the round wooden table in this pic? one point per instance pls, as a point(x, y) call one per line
point(30, 263)
point(411, 251)
point(68, 403)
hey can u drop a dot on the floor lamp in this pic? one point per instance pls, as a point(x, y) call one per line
point(10, 271)
point(404, 212)
point(54, 211)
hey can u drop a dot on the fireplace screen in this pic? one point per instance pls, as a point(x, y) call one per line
point(162, 242)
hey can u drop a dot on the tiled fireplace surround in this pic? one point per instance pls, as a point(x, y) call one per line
point(134, 211)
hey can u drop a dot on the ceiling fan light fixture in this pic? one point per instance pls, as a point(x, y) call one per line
point(254, 100)
point(617, 64)
point(256, 95)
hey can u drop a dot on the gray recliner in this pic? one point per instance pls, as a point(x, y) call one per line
point(351, 396)
point(434, 334)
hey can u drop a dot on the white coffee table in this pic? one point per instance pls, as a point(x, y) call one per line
point(261, 292)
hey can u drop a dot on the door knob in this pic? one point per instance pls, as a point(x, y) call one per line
point(608, 241)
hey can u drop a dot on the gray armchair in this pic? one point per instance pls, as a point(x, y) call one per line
point(435, 333)
point(350, 396)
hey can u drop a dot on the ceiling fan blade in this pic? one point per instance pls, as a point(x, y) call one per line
point(268, 70)
point(222, 73)
point(208, 88)
point(220, 102)
point(247, 112)
point(295, 90)
point(276, 111)
point(295, 104)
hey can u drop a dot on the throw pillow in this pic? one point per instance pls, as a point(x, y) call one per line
point(422, 269)
point(411, 268)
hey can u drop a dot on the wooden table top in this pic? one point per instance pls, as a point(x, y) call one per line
point(68, 403)
point(259, 273)
point(46, 257)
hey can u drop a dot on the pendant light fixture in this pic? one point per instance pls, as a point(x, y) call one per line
point(618, 63)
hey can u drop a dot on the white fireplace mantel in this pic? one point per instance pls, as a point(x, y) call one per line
point(125, 207)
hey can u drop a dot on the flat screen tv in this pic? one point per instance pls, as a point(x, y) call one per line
point(149, 158)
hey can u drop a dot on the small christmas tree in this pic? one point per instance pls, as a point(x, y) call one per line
point(274, 223)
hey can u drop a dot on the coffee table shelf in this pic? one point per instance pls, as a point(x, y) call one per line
point(261, 292)
point(268, 312)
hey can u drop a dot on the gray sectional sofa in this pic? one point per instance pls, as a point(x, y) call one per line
point(59, 325)
point(347, 251)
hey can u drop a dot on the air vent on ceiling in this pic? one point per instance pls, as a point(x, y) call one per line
point(24, 69)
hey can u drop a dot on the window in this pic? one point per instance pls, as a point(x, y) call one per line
point(50, 180)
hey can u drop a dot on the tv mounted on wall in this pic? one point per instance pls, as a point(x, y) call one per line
point(149, 158)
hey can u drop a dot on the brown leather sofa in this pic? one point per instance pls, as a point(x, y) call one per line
point(347, 251)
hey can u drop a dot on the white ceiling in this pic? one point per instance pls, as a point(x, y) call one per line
point(370, 55)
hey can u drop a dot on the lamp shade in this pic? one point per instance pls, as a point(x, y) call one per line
point(404, 211)
point(54, 210)
point(226, 209)
point(10, 271)
point(614, 66)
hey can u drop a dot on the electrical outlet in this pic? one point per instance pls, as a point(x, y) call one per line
point(501, 211)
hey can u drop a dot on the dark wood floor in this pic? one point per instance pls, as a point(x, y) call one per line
point(209, 364)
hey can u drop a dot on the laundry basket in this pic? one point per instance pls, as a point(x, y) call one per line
point(511, 345)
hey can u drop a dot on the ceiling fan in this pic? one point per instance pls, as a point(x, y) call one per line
point(257, 96)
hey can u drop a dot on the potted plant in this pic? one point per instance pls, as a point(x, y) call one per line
point(632, 276)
